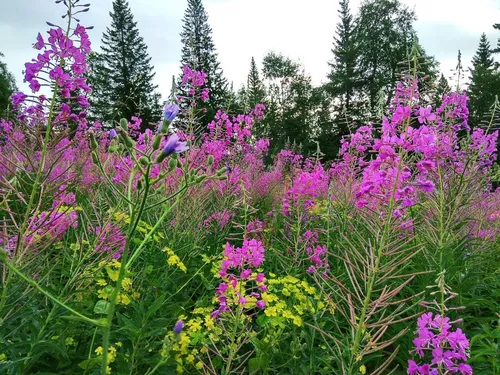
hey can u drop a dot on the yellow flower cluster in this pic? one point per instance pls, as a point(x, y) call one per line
point(174, 260)
point(319, 208)
point(112, 269)
point(289, 299)
point(142, 227)
point(111, 355)
point(198, 332)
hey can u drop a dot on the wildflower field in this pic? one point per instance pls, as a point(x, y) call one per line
point(126, 249)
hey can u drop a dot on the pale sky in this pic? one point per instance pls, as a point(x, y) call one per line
point(302, 30)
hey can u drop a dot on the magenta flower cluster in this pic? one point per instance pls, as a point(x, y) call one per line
point(194, 81)
point(109, 239)
point(62, 61)
point(217, 221)
point(448, 349)
point(47, 227)
point(240, 265)
point(429, 136)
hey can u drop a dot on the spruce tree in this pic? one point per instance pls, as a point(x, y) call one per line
point(199, 53)
point(122, 75)
point(7, 88)
point(442, 88)
point(255, 91)
point(343, 80)
point(484, 84)
point(497, 49)
point(173, 91)
point(343, 77)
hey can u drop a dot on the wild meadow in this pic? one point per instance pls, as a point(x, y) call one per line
point(129, 249)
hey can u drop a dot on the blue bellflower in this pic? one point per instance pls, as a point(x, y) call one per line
point(171, 111)
point(174, 146)
point(178, 327)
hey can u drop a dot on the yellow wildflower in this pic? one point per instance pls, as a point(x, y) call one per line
point(127, 284)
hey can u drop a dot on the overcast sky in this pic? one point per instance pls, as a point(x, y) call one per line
point(302, 30)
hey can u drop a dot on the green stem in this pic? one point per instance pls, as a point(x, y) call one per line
point(123, 268)
point(374, 271)
point(35, 285)
point(140, 249)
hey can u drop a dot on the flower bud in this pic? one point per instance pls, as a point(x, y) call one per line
point(93, 142)
point(129, 142)
point(163, 128)
point(178, 327)
point(200, 178)
point(160, 157)
point(172, 163)
point(157, 141)
point(124, 124)
point(112, 134)
point(144, 161)
point(113, 146)
point(221, 171)
point(210, 160)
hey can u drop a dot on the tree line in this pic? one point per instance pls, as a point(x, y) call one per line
point(370, 51)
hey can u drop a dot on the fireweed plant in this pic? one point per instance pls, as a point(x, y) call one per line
point(179, 249)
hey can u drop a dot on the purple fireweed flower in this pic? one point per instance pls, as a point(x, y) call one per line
point(18, 98)
point(82, 100)
point(39, 42)
point(171, 111)
point(174, 146)
point(178, 327)
point(112, 134)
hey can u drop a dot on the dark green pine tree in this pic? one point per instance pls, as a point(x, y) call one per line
point(497, 49)
point(442, 88)
point(173, 91)
point(199, 53)
point(343, 77)
point(255, 91)
point(242, 99)
point(484, 83)
point(121, 75)
point(7, 88)
point(343, 80)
